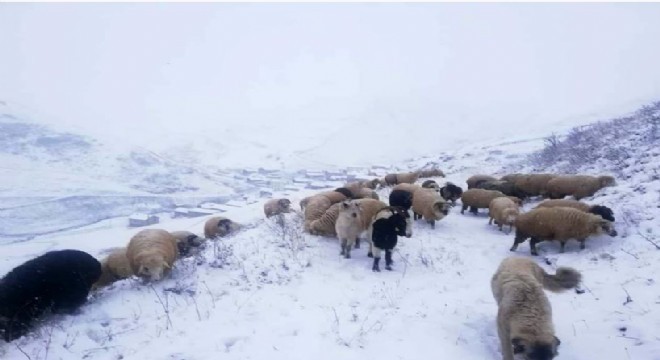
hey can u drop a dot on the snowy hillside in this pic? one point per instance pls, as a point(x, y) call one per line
point(271, 292)
point(39, 160)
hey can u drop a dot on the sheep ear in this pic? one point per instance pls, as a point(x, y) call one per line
point(518, 346)
point(166, 265)
point(557, 341)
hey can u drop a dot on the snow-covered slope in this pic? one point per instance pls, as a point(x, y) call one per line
point(276, 293)
point(40, 161)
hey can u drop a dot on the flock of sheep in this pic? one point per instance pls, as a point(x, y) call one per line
point(60, 281)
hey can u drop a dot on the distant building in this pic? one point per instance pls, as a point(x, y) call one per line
point(138, 219)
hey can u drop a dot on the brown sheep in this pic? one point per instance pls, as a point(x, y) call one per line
point(504, 211)
point(506, 187)
point(474, 180)
point(478, 199)
point(401, 178)
point(219, 226)
point(366, 193)
point(603, 211)
point(188, 243)
point(114, 267)
point(151, 253)
point(512, 177)
point(411, 188)
point(371, 184)
point(558, 223)
point(274, 207)
point(533, 184)
point(431, 173)
point(524, 316)
point(318, 204)
point(359, 191)
point(428, 204)
point(579, 186)
point(334, 196)
point(325, 225)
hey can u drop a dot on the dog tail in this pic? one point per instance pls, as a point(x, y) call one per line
point(565, 278)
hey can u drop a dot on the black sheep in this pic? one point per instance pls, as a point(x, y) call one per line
point(401, 198)
point(451, 192)
point(58, 281)
point(389, 223)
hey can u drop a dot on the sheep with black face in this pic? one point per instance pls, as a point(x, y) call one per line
point(387, 225)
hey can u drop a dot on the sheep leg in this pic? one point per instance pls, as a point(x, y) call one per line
point(562, 246)
point(349, 246)
point(357, 242)
point(474, 210)
point(490, 220)
point(343, 247)
point(388, 260)
point(376, 260)
point(532, 245)
point(463, 208)
point(432, 222)
point(582, 243)
point(519, 239)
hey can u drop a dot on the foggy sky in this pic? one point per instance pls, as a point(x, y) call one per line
point(134, 69)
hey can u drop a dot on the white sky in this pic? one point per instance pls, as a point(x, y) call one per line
point(128, 69)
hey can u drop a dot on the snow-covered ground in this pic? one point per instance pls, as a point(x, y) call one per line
point(277, 293)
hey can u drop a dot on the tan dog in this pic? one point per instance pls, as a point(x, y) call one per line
point(524, 317)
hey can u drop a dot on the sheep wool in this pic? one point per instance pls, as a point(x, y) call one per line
point(474, 180)
point(151, 253)
point(503, 211)
point(348, 226)
point(478, 199)
point(429, 205)
point(58, 281)
point(114, 267)
point(274, 207)
point(579, 186)
point(603, 211)
point(188, 243)
point(558, 223)
point(534, 184)
point(219, 226)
